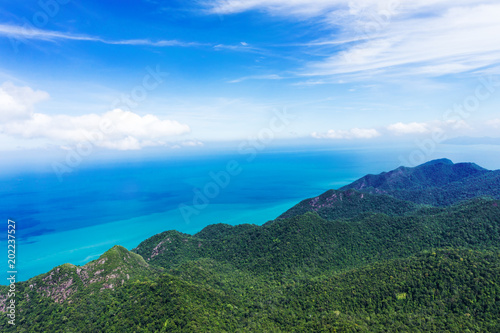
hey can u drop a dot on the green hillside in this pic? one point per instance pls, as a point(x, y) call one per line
point(335, 204)
point(346, 261)
point(311, 244)
point(434, 291)
point(439, 183)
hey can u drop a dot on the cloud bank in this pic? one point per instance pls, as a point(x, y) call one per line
point(116, 129)
point(17, 102)
point(355, 133)
point(409, 128)
point(395, 37)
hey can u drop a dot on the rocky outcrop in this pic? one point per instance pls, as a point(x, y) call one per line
point(113, 268)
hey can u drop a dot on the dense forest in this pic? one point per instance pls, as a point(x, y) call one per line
point(346, 261)
point(438, 183)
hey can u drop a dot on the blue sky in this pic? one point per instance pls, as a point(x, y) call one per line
point(129, 75)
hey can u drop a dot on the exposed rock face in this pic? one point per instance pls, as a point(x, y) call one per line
point(157, 249)
point(107, 286)
point(3, 303)
point(113, 268)
point(58, 284)
point(348, 203)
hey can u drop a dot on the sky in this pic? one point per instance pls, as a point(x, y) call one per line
point(131, 75)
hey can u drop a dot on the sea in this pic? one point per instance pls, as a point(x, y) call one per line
point(76, 218)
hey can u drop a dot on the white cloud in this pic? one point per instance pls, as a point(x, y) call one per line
point(420, 37)
point(355, 133)
point(455, 124)
point(415, 128)
point(409, 128)
point(257, 77)
point(455, 40)
point(23, 33)
point(116, 129)
point(341, 8)
point(495, 123)
point(17, 102)
point(310, 7)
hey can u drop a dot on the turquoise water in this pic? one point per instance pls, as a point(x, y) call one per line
point(102, 205)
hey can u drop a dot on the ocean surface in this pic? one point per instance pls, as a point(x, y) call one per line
point(77, 218)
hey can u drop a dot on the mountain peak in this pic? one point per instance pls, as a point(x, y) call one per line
point(112, 269)
point(438, 161)
point(426, 183)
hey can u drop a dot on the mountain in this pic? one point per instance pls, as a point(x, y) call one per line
point(335, 204)
point(404, 190)
point(454, 290)
point(345, 261)
point(302, 273)
point(439, 183)
point(435, 173)
point(311, 244)
point(111, 270)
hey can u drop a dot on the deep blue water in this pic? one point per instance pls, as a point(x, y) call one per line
point(98, 206)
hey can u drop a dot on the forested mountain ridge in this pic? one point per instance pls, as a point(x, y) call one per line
point(438, 290)
point(404, 190)
point(335, 204)
point(111, 270)
point(345, 261)
point(431, 174)
point(439, 183)
point(309, 243)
